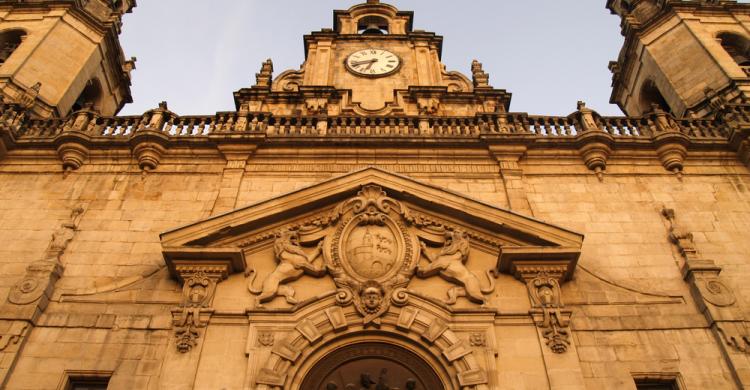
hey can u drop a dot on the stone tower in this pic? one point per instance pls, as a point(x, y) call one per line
point(684, 56)
point(62, 56)
point(389, 69)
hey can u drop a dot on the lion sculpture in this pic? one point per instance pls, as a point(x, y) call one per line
point(293, 262)
point(450, 264)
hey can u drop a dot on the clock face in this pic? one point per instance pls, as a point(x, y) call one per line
point(373, 62)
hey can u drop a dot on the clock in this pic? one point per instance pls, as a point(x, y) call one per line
point(373, 63)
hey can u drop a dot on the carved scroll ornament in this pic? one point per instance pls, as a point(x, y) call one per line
point(547, 308)
point(198, 290)
point(544, 291)
point(42, 274)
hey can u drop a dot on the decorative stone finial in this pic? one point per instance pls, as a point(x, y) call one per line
point(28, 97)
point(481, 78)
point(263, 79)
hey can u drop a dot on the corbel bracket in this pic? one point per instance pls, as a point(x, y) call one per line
point(543, 270)
point(199, 270)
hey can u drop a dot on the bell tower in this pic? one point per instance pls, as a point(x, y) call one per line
point(372, 62)
point(60, 56)
point(682, 56)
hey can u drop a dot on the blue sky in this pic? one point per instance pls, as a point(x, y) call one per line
point(195, 53)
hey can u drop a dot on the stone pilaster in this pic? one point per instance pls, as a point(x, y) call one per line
point(29, 297)
point(236, 156)
point(199, 271)
point(716, 300)
point(553, 323)
point(543, 276)
point(507, 157)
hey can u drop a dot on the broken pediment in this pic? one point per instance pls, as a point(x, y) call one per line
point(368, 235)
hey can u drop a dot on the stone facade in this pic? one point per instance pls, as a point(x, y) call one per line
point(402, 217)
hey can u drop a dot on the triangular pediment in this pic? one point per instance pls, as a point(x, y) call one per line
point(431, 211)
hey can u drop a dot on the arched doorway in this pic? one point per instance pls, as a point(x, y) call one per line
point(372, 365)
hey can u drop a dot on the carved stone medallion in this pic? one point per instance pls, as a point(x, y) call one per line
point(371, 250)
point(716, 292)
point(371, 253)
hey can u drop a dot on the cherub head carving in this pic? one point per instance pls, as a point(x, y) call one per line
point(372, 296)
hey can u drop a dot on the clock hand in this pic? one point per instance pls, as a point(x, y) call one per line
point(372, 61)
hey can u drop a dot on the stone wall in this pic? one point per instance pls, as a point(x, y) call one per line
point(633, 313)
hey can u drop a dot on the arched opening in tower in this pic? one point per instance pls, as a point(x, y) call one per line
point(738, 47)
point(89, 97)
point(373, 25)
point(9, 42)
point(652, 97)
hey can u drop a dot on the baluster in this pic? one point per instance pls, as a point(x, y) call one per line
point(613, 127)
point(466, 127)
point(181, 125)
point(168, 126)
point(532, 126)
point(191, 124)
point(304, 125)
point(310, 126)
point(293, 126)
point(633, 128)
point(338, 125)
point(369, 126)
point(301, 125)
point(624, 126)
point(188, 126)
point(177, 129)
point(551, 125)
point(567, 128)
point(229, 125)
point(400, 126)
point(283, 126)
point(289, 127)
point(343, 126)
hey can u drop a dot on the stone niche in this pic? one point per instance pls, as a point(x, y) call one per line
point(370, 264)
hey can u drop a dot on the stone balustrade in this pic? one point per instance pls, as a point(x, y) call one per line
point(356, 126)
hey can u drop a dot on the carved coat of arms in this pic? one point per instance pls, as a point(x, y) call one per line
point(371, 254)
point(370, 246)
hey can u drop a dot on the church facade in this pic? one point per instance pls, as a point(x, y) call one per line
point(373, 220)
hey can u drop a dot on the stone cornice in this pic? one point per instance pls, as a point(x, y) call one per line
point(220, 262)
point(159, 131)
